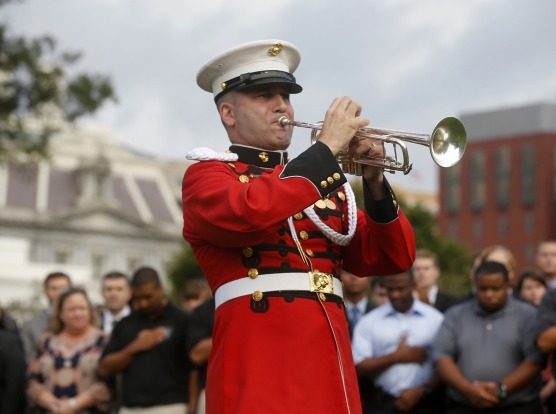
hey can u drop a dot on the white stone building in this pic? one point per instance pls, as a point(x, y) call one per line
point(94, 206)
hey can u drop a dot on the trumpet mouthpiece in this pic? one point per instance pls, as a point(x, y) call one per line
point(283, 121)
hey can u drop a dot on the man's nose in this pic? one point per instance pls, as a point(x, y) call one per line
point(280, 103)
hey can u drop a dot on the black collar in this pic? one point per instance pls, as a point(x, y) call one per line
point(259, 157)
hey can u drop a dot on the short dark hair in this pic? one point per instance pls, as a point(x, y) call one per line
point(533, 275)
point(115, 275)
point(378, 281)
point(193, 288)
point(408, 273)
point(489, 268)
point(145, 275)
point(56, 275)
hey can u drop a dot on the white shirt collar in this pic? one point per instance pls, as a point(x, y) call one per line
point(109, 319)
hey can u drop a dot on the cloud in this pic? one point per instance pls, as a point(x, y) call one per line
point(408, 63)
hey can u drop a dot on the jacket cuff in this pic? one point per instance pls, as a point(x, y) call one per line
point(384, 210)
point(319, 166)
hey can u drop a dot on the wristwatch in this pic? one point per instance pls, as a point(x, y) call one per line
point(501, 390)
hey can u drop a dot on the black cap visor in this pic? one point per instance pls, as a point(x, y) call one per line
point(249, 80)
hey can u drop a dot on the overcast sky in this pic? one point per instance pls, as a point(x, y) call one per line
point(409, 63)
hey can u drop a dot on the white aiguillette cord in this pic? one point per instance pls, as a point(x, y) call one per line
point(334, 236)
point(338, 238)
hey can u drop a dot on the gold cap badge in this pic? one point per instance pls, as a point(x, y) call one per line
point(276, 49)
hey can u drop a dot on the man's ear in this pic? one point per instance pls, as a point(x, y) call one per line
point(226, 111)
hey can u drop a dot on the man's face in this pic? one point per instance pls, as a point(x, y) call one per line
point(354, 285)
point(54, 288)
point(425, 272)
point(116, 294)
point(149, 299)
point(400, 291)
point(251, 116)
point(546, 258)
point(379, 295)
point(492, 291)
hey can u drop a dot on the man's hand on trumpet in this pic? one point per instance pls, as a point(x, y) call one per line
point(340, 124)
point(361, 147)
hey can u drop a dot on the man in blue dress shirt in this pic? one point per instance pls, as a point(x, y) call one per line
point(393, 345)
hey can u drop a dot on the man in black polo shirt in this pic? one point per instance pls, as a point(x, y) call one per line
point(149, 348)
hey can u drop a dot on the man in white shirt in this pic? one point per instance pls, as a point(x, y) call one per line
point(356, 298)
point(117, 294)
point(392, 344)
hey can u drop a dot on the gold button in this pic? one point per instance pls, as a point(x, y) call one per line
point(395, 203)
point(310, 253)
point(322, 296)
point(330, 204)
point(298, 216)
point(244, 179)
point(336, 176)
point(257, 295)
point(247, 251)
point(320, 204)
point(330, 180)
point(323, 184)
point(304, 235)
point(253, 273)
point(342, 196)
point(223, 85)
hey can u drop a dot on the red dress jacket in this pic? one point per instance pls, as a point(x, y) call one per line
point(289, 353)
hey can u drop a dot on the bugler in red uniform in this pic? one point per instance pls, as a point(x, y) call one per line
point(271, 238)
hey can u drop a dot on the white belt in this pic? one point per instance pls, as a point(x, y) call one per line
point(310, 282)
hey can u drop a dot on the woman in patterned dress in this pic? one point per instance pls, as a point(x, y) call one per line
point(62, 376)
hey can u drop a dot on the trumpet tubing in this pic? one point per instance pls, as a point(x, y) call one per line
point(446, 143)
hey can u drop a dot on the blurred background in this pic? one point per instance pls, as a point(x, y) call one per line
point(100, 106)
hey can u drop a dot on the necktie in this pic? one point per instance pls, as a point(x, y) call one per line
point(355, 315)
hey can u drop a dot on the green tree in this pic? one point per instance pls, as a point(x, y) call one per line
point(454, 257)
point(182, 268)
point(38, 93)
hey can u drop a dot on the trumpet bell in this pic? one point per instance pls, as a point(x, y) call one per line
point(448, 141)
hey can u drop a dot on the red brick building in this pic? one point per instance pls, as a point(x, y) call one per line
point(503, 191)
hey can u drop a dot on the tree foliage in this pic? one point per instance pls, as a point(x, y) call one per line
point(38, 93)
point(453, 256)
point(182, 268)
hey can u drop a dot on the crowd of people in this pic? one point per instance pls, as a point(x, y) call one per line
point(426, 351)
point(130, 354)
point(416, 348)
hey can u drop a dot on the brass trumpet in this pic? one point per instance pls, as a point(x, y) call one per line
point(446, 143)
